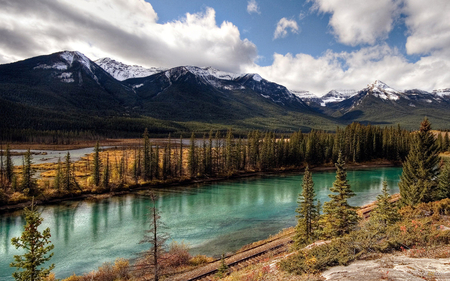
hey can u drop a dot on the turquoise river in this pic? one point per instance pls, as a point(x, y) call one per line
point(211, 218)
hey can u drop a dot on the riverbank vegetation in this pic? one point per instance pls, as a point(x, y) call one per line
point(419, 223)
point(214, 156)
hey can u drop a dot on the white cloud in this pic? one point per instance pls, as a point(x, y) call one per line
point(355, 22)
point(428, 25)
point(283, 25)
point(354, 70)
point(252, 7)
point(126, 30)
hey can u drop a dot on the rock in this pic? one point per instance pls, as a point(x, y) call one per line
point(392, 267)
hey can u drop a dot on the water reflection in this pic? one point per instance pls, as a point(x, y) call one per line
point(212, 219)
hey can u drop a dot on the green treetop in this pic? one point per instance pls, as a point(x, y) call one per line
point(339, 217)
point(307, 212)
point(384, 213)
point(37, 246)
point(418, 182)
point(444, 181)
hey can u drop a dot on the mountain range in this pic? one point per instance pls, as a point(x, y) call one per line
point(68, 91)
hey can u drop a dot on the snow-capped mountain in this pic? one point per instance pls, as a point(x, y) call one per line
point(207, 75)
point(383, 91)
point(63, 65)
point(337, 96)
point(122, 71)
point(70, 89)
point(443, 93)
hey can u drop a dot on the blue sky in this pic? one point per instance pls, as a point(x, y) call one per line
point(312, 45)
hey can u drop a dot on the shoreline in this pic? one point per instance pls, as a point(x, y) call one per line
point(186, 182)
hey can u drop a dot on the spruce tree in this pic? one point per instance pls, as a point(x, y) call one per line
point(106, 173)
point(57, 182)
point(96, 165)
point(147, 156)
point(192, 161)
point(307, 213)
point(444, 181)
point(385, 212)
point(446, 142)
point(180, 161)
point(28, 184)
point(339, 217)
point(9, 166)
point(67, 177)
point(37, 246)
point(418, 182)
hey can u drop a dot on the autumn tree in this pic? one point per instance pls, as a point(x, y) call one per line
point(339, 217)
point(37, 246)
point(418, 182)
point(307, 213)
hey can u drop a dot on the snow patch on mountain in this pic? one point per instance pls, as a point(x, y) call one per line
point(57, 66)
point(304, 94)
point(66, 77)
point(121, 71)
point(442, 92)
point(257, 77)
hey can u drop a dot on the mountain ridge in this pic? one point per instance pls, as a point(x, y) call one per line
point(77, 93)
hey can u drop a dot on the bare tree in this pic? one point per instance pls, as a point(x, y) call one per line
point(156, 236)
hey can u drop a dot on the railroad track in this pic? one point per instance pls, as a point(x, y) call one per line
point(243, 262)
point(239, 260)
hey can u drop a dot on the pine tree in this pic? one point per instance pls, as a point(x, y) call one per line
point(57, 182)
point(9, 166)
point(28, 184)
point(446, 142)
point(147, 156)
point(307, 213)
point(67, 177)
point(37, 246)
point(106, 173)
point(96, 165)
point(418, 182)
point(385, 212)
point(192, 161)
point(444, 181)
point(339, 217)
point(223, 268)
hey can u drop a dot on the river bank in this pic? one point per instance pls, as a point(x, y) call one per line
point(100, 194)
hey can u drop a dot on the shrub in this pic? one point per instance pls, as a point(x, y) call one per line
point(199, 260)
point(178, 255)
point(121, 268)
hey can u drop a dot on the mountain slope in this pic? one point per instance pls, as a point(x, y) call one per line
point(121, 71)
point(67, 91)
point(380, 104)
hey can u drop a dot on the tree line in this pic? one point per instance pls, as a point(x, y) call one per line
point(213, 155)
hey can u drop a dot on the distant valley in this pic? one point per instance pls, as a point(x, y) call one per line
point(68, 91)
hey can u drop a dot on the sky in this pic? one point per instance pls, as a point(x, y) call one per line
point(305, 45)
